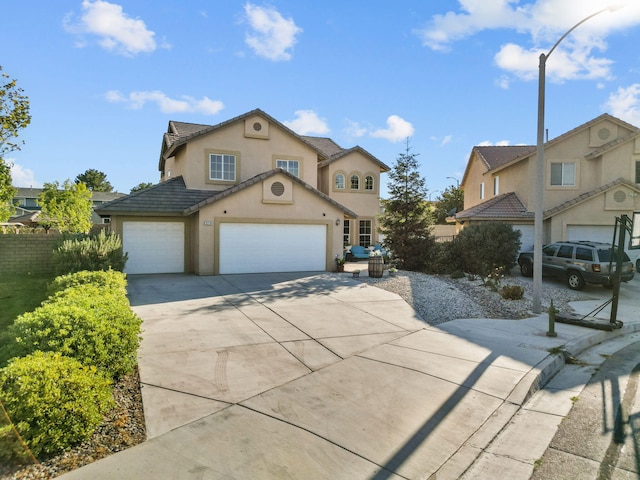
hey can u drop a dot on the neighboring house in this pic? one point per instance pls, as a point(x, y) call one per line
point(592, 176)
point(27, 208)
point(249, 195)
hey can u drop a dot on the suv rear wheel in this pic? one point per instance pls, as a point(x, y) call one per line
point(526, 269)
point(575, 280)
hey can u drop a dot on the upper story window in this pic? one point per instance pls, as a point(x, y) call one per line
point(222, 167)
point(563, 174)
point(481, 190)
point(368, 183)
point(340, 181)
point(291, 166)
point(637, 172)
point(496, 185)
point(355, 182)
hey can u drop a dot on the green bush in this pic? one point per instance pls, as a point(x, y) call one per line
point(110, 279)
point(484, 247)
point(95, 252)
point(89, 323)
point(512, 292)
point(53, 401)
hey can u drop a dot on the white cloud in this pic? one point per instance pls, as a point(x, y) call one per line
point(116, 31)
point(272, 36)
point(307, 122)
point(185, 104)
point(543, 22)
point(23, 177)
point(446, 139)
point(354, 129)
point(625, 104)
point(501, 143)
point(397, 129)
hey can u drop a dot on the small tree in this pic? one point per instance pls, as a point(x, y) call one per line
point(141, 186)
point(406, 221)
point(68, 208)
point(451, 201)
point(95, 180)
point(7, 192)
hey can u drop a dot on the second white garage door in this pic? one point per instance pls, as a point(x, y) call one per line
point(153, 247)
point(263, 248)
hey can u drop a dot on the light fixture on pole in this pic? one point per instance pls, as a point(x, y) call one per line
point(457, 181)
point(539, 170)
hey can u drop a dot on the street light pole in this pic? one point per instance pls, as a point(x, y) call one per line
point(457, 181)
point(540, 167)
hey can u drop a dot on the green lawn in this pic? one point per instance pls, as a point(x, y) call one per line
point(20, 294)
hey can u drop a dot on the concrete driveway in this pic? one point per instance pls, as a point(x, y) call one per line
point(319, 376)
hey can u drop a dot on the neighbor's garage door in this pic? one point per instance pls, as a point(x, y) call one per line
point(592, 233)
point(261, 248)
point(527, 237)
point(154, 247)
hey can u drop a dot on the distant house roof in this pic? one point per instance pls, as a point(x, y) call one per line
point(496, 156)
point(174, 198)
point(505, 206)
point(95, 196)
point(179, 133)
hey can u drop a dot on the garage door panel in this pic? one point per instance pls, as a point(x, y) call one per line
point(263, 248)
point(153, 247)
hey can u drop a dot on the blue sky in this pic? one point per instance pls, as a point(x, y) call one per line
point(105, 77)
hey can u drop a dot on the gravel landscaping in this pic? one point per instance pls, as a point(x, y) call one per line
point(436, 298)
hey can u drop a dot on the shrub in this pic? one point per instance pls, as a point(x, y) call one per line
point(485, 247)
point(512, 292)
point(86, 322)
point(109, 279)
point(96, 252)
point(53, 401)
point(456, 274)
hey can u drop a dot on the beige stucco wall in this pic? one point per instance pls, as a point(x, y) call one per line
point(253, 155)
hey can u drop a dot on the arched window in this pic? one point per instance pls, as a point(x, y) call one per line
point(368, 182)
point(355, 182)
point(340, 181)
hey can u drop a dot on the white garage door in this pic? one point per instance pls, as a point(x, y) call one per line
point(262, 248)
point(593, 233)
point(154, 247)
point(527, 238)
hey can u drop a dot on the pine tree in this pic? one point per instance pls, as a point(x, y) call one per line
point(406, 222)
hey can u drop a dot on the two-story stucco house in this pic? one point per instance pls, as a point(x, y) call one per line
point(592, 176)
point(249, 195)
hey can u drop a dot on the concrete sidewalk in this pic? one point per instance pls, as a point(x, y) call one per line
point(287, 376)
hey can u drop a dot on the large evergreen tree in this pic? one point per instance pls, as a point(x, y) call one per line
point(406, 221)
point(95, 180)
point(68, 208)
point(14, 115)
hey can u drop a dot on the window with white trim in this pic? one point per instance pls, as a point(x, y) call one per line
point(364, 236)
point(290, 166)
point(346, 232)
point(222, 166)
point(496, 185)
point(340, 181)
point(482, 191)
point(563, 174)
point(368, 183)
point(355, 182)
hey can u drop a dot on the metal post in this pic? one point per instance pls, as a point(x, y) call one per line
point(539, 192)
point(619, 260)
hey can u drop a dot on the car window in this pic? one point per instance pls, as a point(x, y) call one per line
point(584, 254)
point(550, 250)
point(565, 251)
point(604, 254)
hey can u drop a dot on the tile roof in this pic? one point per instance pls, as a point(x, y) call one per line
point(98, 196)
point(504, 206)
point(168, 198)
point(497, 156)
point(583, 197)
point(326, 145)
point(174, 198)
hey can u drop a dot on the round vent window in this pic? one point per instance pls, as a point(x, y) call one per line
point(277, 188)
point(619, 196)
point(604, 133)
point(257, 126)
